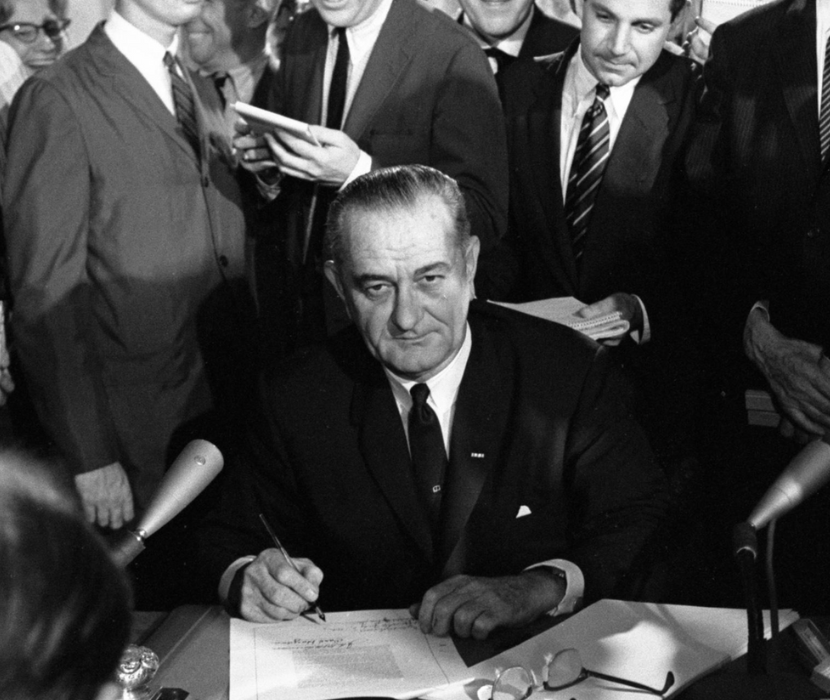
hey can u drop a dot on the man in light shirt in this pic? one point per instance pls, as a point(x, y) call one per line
point(124, 236)
point(451, 455)
point(383, 82)
point(596, 224)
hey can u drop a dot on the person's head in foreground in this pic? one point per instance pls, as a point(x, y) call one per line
point(64, 606)
point(403, 261)
point(35, 29)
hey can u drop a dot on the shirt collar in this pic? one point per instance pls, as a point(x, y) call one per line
point(140, 49)
point(443, 387)
point(512, 44)
point(367, 30)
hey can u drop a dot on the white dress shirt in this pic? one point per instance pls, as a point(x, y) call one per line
point(361, 38)
point(145, 53)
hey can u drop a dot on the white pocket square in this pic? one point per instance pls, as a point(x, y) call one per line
point(523, 511)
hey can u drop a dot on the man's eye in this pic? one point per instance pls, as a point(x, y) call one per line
point(374, 290)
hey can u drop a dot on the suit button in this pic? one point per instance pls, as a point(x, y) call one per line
point(223, 260)
point(812, 233)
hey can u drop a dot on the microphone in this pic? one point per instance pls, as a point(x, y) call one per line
point(195, 467)
point(808, 471)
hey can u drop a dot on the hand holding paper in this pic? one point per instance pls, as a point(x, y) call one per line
point(329, 163)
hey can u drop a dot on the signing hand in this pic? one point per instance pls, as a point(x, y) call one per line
point(273, 590)
point(106, 495)
point(473, 606)
point(798, 374)
point(330, 163)
point(626, 304)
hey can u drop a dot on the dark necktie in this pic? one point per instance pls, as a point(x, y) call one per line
point(824, 118)
point(313, 247)
point(426, 446)
point(184, 103)
point(590, 157)
point(339, 78)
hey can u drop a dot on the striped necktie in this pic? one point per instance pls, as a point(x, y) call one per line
point(590, 158)
point(183, 101)
point(824, 118)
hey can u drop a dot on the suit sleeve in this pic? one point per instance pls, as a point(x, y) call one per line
point(46, 209)
point(618, 495)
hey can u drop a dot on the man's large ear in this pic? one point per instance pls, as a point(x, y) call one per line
point(333, 276)
point(471, 257)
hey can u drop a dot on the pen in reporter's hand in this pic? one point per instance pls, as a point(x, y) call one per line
point(279, 546)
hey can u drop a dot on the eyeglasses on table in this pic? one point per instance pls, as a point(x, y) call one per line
point(564, 670)
point(28, 32)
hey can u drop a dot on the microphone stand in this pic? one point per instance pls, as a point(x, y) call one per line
point(745, 544)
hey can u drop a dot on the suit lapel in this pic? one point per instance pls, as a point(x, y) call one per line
point(390, 56)
point(544, 125)
point(796, 58)
point(479, 424)
point(385, 451)
point(635, 160)
point(136, 91)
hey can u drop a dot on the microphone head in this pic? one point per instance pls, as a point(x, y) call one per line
point(808, 471)
point(195, 467)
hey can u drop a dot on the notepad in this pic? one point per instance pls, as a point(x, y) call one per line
point(563, 310)
point(262, 120)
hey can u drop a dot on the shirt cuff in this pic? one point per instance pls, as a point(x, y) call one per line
point(363, 166)
point(635, 335)
point(574, 585)
point(227, 577)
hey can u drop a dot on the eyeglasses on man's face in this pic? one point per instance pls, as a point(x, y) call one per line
point(564, 670)
point(28, 32)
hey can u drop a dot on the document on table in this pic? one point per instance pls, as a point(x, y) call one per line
point(373, 652)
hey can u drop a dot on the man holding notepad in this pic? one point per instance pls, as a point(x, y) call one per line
point(382, 82)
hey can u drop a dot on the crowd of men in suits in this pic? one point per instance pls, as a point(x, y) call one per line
point(161, 253)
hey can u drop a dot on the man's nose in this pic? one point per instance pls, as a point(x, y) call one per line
point(407, 311)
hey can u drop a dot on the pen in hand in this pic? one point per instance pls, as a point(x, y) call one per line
point(279, 546)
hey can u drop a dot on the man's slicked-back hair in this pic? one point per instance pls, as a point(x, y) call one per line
point(675, 7)
point(392, 189)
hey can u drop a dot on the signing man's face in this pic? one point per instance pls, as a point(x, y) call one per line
point(622, 39)
point(407, 284)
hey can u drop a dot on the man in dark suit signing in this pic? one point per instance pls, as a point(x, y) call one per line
point(125, 239)
point(465, 459)
point(593, 139)
point(384, 82)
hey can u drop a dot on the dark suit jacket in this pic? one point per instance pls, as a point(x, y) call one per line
point(626, 238)
point(630, 244)
point(427, 96)
point(121, 245)
point(761, 194)
point(537, 423)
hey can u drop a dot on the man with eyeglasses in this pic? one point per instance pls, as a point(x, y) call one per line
point(125, 245)
point(35, 29)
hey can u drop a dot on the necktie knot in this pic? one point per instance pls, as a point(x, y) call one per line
point(502, 58)
point(420, 394)
point(603, 91)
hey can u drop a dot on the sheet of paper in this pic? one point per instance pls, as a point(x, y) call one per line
point(563, 310)
point(378, 652)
